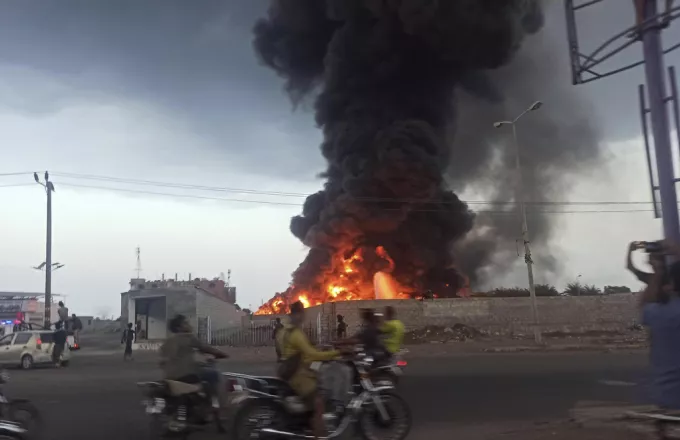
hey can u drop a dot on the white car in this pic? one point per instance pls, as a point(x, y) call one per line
point(29, 348)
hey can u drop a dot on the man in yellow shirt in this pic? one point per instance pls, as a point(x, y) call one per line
point(304, 382)
point(393, 329)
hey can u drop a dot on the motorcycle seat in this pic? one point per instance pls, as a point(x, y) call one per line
point(182, 388)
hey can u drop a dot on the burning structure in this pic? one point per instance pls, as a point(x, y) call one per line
point(384, 73)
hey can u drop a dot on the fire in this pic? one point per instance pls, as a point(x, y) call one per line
point(303, 299)
point(364, 275)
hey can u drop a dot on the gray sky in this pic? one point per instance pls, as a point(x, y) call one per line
point(170, 90)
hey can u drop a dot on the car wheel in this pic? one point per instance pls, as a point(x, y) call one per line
point(27, 362)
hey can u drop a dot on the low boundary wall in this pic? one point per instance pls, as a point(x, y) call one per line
point(505, 316)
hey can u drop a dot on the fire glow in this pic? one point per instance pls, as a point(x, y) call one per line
point(349, 282)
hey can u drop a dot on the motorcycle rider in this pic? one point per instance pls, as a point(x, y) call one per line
point(295, 345)
point(369, 336)
point(393, 330)
point(177, 358)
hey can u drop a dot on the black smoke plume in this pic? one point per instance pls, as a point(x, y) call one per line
point(385, 74)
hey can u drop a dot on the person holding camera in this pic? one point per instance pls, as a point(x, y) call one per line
point(660, 307)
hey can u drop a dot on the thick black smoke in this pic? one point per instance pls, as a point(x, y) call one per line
point(386, 72)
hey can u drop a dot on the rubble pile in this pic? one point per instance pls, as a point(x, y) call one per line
point(435, 333)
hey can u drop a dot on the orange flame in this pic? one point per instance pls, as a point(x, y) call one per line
point(350, 280)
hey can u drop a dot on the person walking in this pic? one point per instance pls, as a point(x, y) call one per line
point(59, 343)
point(277, 327)
point(128, 338)
point(77, 326)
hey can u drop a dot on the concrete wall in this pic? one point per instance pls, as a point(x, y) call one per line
point(223, 315)
point(502, 315)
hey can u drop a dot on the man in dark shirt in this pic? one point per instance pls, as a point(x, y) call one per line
point(369, 336)
point(342, 327)
point(59, 344)
point(77, 326)
point(128, 338)
point(277, 327)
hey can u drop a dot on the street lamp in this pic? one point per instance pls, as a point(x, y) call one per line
point(523, 215)
point(49, 189)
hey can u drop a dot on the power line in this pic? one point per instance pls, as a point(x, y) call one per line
point(303, 195)
point(21, 173)
point(268, 202)
point(16, 184)
point(499, 204)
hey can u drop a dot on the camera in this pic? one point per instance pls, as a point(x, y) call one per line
point(651, 247)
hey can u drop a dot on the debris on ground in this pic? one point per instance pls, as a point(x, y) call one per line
point(442, 334)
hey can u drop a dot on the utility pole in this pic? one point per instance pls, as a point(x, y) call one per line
point(49, 189)
point(588, 67)
point(656, 89)
point(523, 216)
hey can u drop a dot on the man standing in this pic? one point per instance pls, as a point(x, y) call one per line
point(63, 313)
point(277, 327)
point(341, 328)
point(59, 344)
point(127, 339)
point(77, 326)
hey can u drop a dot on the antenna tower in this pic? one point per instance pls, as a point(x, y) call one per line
point(648, 23)
point(138, 268)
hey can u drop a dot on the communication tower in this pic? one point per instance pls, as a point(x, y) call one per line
point(138, 267)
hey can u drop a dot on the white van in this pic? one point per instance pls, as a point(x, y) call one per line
point(26, 349)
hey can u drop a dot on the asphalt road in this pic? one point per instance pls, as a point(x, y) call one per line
point(96, 397)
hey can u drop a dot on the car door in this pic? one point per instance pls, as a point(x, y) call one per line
point(20, 345)
point(5, 346)
point(46, 346)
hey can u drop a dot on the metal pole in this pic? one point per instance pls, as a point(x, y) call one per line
point(48, 258)
point(525, 237)
point(656, 88)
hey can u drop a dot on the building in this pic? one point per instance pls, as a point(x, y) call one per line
point(208, 304)
point(24, 306)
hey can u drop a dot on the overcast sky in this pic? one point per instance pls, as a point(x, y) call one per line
point(170, 91)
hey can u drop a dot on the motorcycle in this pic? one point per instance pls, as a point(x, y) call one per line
point(269, 408)
point(180, 408)
point(18, 416)
point(12, 431)
point(388, 373)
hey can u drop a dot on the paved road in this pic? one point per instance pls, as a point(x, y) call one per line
point(96, 396)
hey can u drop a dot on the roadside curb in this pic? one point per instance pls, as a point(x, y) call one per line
point(554, 348)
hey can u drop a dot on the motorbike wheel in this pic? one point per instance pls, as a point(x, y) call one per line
point(398, 426)
point(255, 415)
point(26, 415)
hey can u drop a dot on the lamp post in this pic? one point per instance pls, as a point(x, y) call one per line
point(49, 189)
point(523, 215)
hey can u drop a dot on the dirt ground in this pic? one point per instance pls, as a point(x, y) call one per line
point(523, 431)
